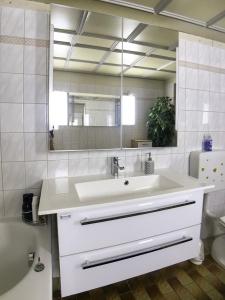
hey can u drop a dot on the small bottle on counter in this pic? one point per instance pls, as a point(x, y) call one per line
point(207, 143)
point(149, 165)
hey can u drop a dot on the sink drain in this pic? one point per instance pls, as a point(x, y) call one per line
point(39, 266)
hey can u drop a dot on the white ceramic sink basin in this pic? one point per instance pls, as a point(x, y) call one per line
point(123, 188)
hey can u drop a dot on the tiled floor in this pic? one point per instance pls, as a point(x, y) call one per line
point(183, 281)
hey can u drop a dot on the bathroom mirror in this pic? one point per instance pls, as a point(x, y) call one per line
point(149, 72)
point(97, 60)
point(84, 106)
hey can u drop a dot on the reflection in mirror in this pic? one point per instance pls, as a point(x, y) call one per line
point(149, 74)
point(84, 107)
point(93, 110)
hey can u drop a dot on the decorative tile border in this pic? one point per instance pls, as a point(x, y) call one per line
point(13, 40)
point(201, 67)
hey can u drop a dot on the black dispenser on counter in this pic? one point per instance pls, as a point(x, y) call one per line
point(30, 210)
point(27, 208)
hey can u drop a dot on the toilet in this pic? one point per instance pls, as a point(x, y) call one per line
point(218, 246)
point(209, 167)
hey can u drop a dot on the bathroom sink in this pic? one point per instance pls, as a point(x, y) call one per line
point(123, 188)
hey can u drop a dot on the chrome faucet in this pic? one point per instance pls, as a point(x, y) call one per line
point(30, 256)
point(115, 167)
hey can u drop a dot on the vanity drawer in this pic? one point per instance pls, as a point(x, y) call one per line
point(95, 228)
point(89, 270)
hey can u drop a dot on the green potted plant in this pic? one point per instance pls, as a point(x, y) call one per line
point(161, 122)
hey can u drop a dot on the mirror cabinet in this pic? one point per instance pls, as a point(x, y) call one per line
point(109, 75)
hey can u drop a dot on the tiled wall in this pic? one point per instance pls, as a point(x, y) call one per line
point(202, 101)
point(202, 90)
point(24, 41)
point(25, 159)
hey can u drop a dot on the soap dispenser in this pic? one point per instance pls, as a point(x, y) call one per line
point(149, 165)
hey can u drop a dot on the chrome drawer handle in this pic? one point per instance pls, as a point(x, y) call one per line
point(63, 217)
point(105, 261)
point(87, 221)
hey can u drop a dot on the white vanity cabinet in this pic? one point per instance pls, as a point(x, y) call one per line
point(103, 244)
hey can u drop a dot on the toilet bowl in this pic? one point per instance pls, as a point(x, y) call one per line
point(216, 229)
point(209, 167)
point(218, 250)
point(218, 246)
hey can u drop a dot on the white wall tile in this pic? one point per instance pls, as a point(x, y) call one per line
point(204, 101)
point(192, 78)
point(177, 162)
point(58, 155)
point(216, 121)
point(193, 141)
point(215, 101)
point(11, 58)
point(36, 25)
point(182, 99)
point(222, 102)
point(13, 203)
point(192, 51)
point(74, 155)
point(180, 143)
point(12, 21)
point(223, 58)
point(181, 120)
point(13, 175)
point(78, 167)
point(215, 83)
point(98, 154)
point(36, 147)
point(35, 118)
point(11, 87)
point(1, 180)
point(35, 60)
point(132, 152)
point(12, 145)
point(218, 139)
point(203, 80)
point(35, 192)
point(98, 166)
point(133, 163)
point(162, 161)
point(204, 52)
point(1, 205)
point(194, 120)
point(222, 82)
point(186, 163)
point(35, 173)
point(35, 89)
point(215, 56)
point(119, 153)
point(11, 117)
point(57, 168)
point(182, 76)
point(192, 100)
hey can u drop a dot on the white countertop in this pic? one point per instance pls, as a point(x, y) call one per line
point(59, 194)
